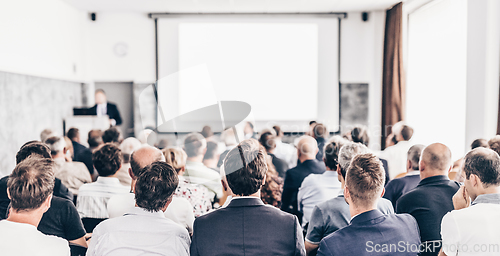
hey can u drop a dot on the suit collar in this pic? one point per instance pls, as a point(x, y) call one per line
point(434, 180)
point(366, 216)
point(243, 202)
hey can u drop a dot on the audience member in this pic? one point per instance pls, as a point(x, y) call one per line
point(93, 197)
point(360, 134)
point(494, 144)
point(475, 224)
point(229, 138)
point(82, 153)
point(221, 232)
point(284, 151)
point(112, 135)
point(104, 108)
point(179, 209)
point(207, 132)
point(306, 152)
point(320, 133)
point(479, 143)
point(432, 198)
point(398, 187)
point(333, 214)
point(317, 188)
point(94, 139)
point(161, 144)
point(70, 153)
point(396, 155)
point(270, 193)
point(72, 174)
point(211, 157)
point(132, 234)
point(267, 140)
point(128, 146)
point(30, 188)
point(196, 172)
point(369, 227)
point(249, 131)
point(45, 134)
point(197, 195)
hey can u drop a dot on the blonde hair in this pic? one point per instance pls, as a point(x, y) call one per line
point(176, 157)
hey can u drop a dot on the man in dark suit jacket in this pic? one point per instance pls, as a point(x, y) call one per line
point(102, 107)
point(247, 226)
point(80, 152)
point(398, 187)
point(307, 149)
point(432, 198)
point(370, 231)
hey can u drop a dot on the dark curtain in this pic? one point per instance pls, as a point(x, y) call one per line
point(393, 83)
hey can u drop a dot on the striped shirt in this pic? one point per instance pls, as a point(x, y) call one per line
point(93, 197)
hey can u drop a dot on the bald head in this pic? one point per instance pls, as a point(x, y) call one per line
point(307, 147)
point(436, 158)
point(143, 157)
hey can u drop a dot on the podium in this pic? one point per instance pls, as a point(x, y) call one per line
point(85, 124)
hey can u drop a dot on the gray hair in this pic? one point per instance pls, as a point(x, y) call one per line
point(45, 134)
point(414, 155)
point(56, 144)
point(348, 152)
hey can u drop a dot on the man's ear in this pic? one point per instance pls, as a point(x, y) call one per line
point(474, 180)
point(224, 184)
point(408, 165)
point(8, 194)
point(65, 150)
point(383, 192)
point(264, 180)
point(421, 166)
point(347, 195)
point(46, 204)
point(131, 174)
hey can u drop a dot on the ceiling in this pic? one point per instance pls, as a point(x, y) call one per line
point(231, 6)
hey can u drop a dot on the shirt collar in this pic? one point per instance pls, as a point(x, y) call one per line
point(108, 180)
point(194, 163)
point(414, 172)
point(330, 174)
point(142, 212)
point(366, 216)
point(487, 199)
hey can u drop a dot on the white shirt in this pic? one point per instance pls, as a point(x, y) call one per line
point(92, 201)
point(139, 232)
point(102, 109)
point(474, 230)
point(397, 157)
point(286, 152)
point(315, 189)
point(179, 210)
point(20, 239)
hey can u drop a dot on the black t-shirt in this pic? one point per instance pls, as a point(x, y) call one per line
point(62, 220)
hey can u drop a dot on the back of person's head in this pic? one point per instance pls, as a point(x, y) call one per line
point(479, 143)
point(245, 167)
point(161, 144)
point(485, 164)
point(56, 144)
point(279, 132)
point(494, 144)
point(144, 156)
point(35, 148)
point(31, 183)
point(268, 141)
point(348, 152)
point(228, 137)
point(176, 157)
point(128, 146)
point(320, 131)
point(107, 159)
point(212, 149)
point(365, 180)
point(312, 123)
point(195, 144)
point(436, 158)
point(414, 155)
point(207, 132)
point(45, 134)
point(406, 132)
point(155, 186)
point(307, 146)
point(112, 135)
point(360, 134)
point(73, 134)
point(95, 138)
point(331, 151)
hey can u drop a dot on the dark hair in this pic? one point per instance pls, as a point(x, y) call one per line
point(73, 133)
point(494, 144)
point(320, 131)
point(485, 163)
point(31, 183)
point(212, 149)
point(95, 138)
point(107, 159)
point(312, 122)
point(245, 167)
point(365, 179)
point(270, 193)
point(278, 130)
point(112, 135)
point(406, 132)
point(360, 134)
point(193, 143)
point(207, 131)
point(479, 143)
point(267, 140)
point(32, 148)
point(332, 149)
point(155, 186)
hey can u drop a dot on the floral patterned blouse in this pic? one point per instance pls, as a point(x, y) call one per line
point(197, 195)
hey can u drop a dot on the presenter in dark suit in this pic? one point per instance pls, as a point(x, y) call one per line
point(247, 226)
point(370, 232)
point(102, 108)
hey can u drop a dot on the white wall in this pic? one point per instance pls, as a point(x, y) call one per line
point(42, 38)
point(362, 47)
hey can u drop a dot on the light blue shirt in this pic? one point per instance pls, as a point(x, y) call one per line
point(315, 189)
